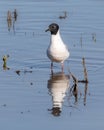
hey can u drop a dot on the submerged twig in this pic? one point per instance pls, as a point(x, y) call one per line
point(15, 14)
point(75, 92)
point(9, 16)
point(85, 93)
point(74, 78)
point(85, 80)
point(85, 70)
point(9, 20)
point(94, 37)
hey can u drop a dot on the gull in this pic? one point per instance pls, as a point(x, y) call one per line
point(57, 50)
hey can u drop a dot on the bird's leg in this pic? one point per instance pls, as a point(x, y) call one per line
point(62, 67)
point(51, 67)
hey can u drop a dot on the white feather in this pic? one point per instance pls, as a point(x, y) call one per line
point(57, 50)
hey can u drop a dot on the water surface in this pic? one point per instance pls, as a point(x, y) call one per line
point(28, 91)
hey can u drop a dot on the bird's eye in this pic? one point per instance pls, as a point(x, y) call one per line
point(53, 27)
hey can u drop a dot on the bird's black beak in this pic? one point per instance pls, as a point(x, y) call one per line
point(47, 30)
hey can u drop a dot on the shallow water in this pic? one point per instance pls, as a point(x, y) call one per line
point(28, 92)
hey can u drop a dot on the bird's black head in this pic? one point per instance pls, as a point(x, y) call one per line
point(53, 28)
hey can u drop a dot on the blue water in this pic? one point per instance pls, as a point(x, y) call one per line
point(26, 97)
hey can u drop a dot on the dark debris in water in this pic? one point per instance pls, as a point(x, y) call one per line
point(4, 105)
point(27, 71)
point(28, 111)
point(31, 83)
point(15, 14)
point(18, 72)
point(94, 37)
point(5, 58)
point(11, 19)
point(74, 89)
point(23, 71)
point(64, 16)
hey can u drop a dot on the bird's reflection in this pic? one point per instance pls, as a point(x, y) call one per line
point(58, 85)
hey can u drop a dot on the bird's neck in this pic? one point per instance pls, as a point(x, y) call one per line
point(56, 38)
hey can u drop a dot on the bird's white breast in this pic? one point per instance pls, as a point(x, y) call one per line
point(57, 50)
